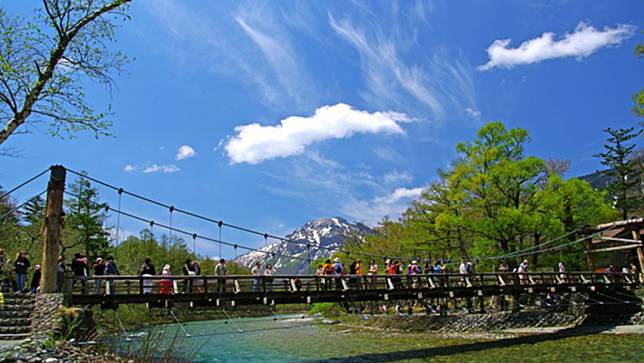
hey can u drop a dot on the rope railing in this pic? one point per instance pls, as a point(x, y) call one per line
point(250, 289)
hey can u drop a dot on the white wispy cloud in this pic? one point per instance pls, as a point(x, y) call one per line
point(257, 54)
point(129, 168)
point(581, 43)
point(391, 205)
point(392, 73)
point(254, 143)
point(337, 190)
point(475, 114)
point(155, 168)
point(396, 177)
point(185, 152)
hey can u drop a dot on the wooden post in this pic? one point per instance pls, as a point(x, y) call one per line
point(590, 258)
point(639, 249)
point(52, 229)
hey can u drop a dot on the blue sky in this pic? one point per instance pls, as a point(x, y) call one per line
point(294, 110)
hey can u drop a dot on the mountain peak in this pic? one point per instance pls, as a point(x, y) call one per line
point(325, 236)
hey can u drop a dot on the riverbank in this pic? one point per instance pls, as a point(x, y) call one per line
point(297, 339)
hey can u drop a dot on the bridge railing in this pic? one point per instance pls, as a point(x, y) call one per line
point(242, 284)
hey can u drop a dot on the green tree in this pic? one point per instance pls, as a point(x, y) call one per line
point(84, 222)
point(639, 98)
point(620, 159)
point(494, 200)
point(8, 222)
point(567, 206)
point(45, 60)
point(496, 184)
point(33, 217)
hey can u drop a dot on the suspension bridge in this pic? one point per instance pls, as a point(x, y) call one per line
point(220, 291)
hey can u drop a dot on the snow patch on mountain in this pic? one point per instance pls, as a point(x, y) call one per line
point(316, 239)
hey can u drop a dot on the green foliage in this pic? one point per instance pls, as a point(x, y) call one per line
point(492, 201)
point(639, 97)
point(328, 310)
point(84, 221)
point(20, 231)
point(46, 61)
point(622, 165)
point(129, 255)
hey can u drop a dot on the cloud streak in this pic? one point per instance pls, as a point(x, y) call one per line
point(165, 169)
point(391, 205)
point(252, 47)
point(583, 42)
point(394, 75)
point(254, 143)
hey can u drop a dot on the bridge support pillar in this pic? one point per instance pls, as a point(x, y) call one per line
point(639, 249)
point(52, 230)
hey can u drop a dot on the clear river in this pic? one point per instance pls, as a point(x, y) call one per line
point(294, 338)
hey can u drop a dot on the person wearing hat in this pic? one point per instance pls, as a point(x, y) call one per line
point(146, 270)
point(111, 270)
point(413, 268)
point(165, 283)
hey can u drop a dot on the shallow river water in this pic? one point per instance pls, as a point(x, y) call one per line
point(295, 339)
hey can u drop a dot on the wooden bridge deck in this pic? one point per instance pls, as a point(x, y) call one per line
point(249, 290)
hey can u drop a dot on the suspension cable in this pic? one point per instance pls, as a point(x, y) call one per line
point(221, 223)
point(118, 218)
point(7, 214)
point(184, 232)
point(24, 183)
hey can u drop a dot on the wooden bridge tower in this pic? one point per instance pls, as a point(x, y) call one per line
point(54, 219)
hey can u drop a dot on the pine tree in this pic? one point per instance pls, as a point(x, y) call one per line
point(619, 157)
point(8, 220)
point(84, 221)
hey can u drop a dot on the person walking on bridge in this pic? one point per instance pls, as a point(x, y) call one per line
point(327, 270)
point(80, 270)
point(373, 273)
point(188, 271)
point(60, 273)
point(522, 271)
point(165, 283)
point(111, 270)
point(256, 271)
point(147, 270)
point(99, 271)
point(413, 270)
point(221, 271)
point(268, 277)
point(338, 269)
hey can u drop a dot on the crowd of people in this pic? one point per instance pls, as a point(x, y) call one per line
point(359, 275)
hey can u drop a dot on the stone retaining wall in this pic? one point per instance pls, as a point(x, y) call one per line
point(40, 347)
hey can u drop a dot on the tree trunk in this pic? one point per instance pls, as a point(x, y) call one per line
point(52, 229)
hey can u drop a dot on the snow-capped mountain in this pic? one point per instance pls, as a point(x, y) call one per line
point(324, 236)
